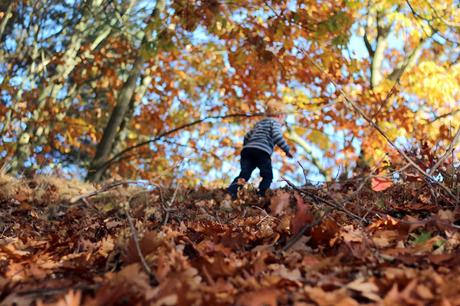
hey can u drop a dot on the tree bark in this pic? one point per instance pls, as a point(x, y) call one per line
point(104, 147)
point(8, 14)
point(293, 136)
point(379, 52)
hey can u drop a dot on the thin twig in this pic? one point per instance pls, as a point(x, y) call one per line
point(169, 204)
point(138, 248)
point(120, 155)
point(307, 181)
point(103, 189)
point(327, 202)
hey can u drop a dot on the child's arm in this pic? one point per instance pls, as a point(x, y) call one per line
point(247, 137)
point(278, 138)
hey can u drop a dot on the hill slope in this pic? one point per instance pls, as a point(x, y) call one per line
point(69, 243)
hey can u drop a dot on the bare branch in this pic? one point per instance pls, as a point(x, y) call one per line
point(446, 22)
point(293, 136)
point(351, 104)
point(452, 113)
point(120, 156)
point(429, 22)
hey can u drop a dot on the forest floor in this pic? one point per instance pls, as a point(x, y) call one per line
point(69, 243)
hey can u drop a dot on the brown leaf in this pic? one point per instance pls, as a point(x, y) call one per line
point(366, 288)
point(279, 203)
point(148, 243)
point(329, 298)
point(303, 215)
point(263, 297)
point(325, 232)
point(424, 292)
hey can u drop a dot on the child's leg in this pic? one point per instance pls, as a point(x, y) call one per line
point(247, 166)
point(266, 172)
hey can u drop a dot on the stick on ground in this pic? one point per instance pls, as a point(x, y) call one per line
point(147, 269)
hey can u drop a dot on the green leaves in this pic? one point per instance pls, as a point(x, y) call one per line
point(421, 238)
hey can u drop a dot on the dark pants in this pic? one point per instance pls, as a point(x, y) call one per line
point(252, 158)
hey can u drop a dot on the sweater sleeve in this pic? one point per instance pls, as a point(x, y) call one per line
point(278, 137)
point(247, 137)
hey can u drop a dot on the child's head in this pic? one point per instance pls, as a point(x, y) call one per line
point(275, 109)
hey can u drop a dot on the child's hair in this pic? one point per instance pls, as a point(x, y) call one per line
point(274, 108)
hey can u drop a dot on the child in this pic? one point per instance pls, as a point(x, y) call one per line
point(258, 147)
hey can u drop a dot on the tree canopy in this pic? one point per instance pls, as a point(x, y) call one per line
point(132, 88)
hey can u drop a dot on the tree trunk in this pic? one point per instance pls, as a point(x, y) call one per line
point(379, 53)
point(8, 14)
point(105, 146)
point(293, 136)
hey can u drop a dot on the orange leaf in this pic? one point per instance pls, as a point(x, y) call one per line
point(381, 183)
point(258, 298)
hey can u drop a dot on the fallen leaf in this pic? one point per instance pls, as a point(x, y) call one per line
point(302, 215)
point(366, 288)
point(324, 232)
point(381, 183)
point(424, 292)
point(279, 203)
point(263, 297)
point(330, 298)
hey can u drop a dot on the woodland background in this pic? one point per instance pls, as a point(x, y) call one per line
point(134, 89)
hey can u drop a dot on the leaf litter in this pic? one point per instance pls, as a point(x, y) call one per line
point(69, 243)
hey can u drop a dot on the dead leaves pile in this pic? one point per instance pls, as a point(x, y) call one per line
point(405, 251)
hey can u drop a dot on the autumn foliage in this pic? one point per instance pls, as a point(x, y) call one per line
point(105, 88)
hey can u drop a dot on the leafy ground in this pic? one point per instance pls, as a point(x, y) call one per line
point(67, 243)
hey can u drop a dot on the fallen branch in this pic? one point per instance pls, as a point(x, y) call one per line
point(104, 188)
point(357, 109)
point(351, 104)
point(169, 204)
point(327, 202)
point(40, 292)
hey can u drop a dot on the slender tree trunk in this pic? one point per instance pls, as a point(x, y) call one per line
point(105, 146)
point(293, 136)
point(123, 131)
point(6, 18)
point(379, 53)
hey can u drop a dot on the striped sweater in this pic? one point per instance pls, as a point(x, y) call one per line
point(265, 135)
